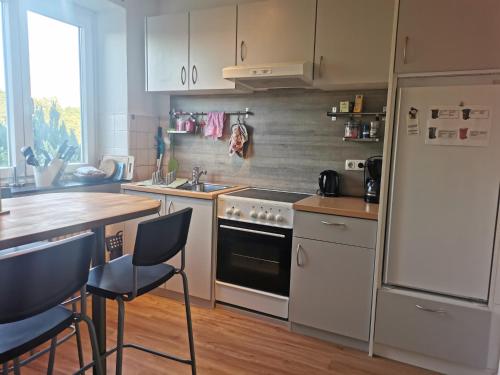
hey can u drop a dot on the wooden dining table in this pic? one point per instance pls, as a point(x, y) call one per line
point(47, 216)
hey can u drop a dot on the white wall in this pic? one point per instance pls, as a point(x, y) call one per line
point(112, 96)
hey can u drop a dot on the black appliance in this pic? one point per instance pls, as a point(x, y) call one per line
point(254, 256)
point(372, 177)
point(329, 183)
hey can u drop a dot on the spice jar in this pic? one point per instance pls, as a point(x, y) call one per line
point(352, 129)
point(374, 128)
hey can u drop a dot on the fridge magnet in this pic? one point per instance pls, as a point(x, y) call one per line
point(412, 127)
point(458, 126)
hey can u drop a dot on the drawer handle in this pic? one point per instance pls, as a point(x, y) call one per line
point(336, 224)
point(435, 311)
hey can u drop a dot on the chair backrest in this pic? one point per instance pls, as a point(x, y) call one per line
point(36, 279)
point(160, 239)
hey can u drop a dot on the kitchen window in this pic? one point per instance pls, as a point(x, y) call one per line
point(5, 159)
point(49, 57)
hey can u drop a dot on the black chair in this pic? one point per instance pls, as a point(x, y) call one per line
point(33, 284)
point(123, 279)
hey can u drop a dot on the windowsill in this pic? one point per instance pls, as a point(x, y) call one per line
point(31, 189)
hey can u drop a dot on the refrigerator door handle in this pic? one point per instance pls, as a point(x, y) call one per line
point(435, 311)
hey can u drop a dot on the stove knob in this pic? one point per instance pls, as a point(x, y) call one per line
point(262, 215)
point(236, 212)
point(253, 214)
point(270, 216)
point(229, 211)
point(279, 218)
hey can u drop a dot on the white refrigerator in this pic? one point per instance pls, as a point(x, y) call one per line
point(444, 192)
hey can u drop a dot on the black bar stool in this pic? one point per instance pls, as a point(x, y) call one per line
point(33, 284)
point(123, 279)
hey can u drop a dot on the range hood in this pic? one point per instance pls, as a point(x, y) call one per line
point(271, 76)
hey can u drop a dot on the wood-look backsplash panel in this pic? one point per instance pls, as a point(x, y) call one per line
point(291, 140)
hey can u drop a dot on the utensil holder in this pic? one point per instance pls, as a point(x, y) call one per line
point(48, 176)
point(170, 177)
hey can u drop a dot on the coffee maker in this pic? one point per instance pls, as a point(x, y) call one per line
point(372, 177)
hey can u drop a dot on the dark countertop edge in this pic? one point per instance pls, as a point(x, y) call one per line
point(32, 189)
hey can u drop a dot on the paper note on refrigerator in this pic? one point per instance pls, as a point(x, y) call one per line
point(458, 126)
point(412, 127)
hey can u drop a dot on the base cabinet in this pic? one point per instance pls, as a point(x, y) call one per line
point(453, 331)
point(130, 226)
point(331, 286)
point(199, 266)
point(198, 248)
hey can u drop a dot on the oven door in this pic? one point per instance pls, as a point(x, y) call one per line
point(254, 256)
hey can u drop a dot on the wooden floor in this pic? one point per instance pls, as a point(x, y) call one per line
point(227, 342)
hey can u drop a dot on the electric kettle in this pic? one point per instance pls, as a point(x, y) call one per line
point(329, 184)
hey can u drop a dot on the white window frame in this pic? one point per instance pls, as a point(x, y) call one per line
point(18, 70)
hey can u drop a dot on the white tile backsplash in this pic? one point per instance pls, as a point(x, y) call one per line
point(122, 134)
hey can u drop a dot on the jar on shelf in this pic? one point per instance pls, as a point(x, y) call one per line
point(352, 129)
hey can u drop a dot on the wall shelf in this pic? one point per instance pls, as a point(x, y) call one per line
point(334, 114)
point(362, 140)
point(173, 131)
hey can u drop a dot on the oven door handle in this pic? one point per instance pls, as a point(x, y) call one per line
point(253, 231)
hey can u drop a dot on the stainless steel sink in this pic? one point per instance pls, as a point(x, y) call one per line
point(203, 188)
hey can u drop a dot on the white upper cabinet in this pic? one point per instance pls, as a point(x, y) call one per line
point(212, 47)
point(276, 31)
point(167, 52)
point(448, 35)
point(353, 43)
point(187, 51)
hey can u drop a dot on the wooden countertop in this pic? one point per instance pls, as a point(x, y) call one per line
point(44, 216)
point(341, 206)
point(179, 192)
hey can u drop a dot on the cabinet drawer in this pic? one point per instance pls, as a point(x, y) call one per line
point(338, 229)
point(448, 331)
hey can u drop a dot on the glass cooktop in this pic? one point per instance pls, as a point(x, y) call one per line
point(270, 195)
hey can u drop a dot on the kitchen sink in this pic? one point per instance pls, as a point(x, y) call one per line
point(204, 188)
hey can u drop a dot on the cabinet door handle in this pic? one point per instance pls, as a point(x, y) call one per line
point(297, 259)
point(320, 70)
point(242, 45)
point(405, 50)
point(194, 74)
point(183, 75)
point(335, 224)
point(435, 311)
point(170, 207)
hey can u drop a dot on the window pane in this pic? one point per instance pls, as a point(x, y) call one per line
point(54, 55)
point(4, 129)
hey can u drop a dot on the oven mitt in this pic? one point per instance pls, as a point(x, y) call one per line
point(239, 136)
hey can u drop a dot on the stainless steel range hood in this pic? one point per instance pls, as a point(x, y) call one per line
point(271, 76)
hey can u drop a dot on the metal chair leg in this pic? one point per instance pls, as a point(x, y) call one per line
point(189, 321)
point(17, 368)
point(52, 356)
point(81, 360)
point(95, 346)
point(119, 336)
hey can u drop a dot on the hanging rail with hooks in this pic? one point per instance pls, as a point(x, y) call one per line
point(245, 113)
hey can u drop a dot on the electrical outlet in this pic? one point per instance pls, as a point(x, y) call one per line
point(354, 165)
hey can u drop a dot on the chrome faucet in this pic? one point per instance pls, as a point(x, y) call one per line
point(196, 174)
